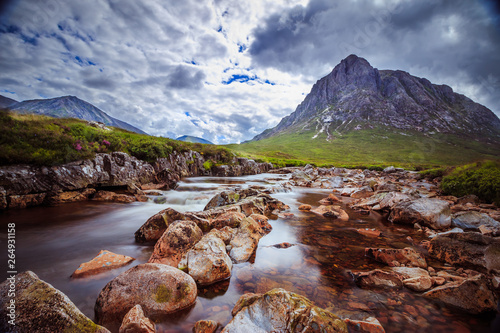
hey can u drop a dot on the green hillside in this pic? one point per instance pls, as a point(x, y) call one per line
point(370, 147)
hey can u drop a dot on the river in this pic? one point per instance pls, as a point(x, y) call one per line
point(54, 241)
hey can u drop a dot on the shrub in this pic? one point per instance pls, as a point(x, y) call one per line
point(208, 165)
point(481, 179)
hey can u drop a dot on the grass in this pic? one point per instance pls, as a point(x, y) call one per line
point(480, 178)
point(41, 140)
point(372, 148)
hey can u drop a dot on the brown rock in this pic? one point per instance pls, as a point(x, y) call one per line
point(369, 325)
point(406, 256)
point(331, 212)
point(433, 213)
point(176, 241)
point(416, 279)
point(378, 279)
point(244, 301)
point(158, 289)
point(362, 193)
point(104, 261)
point(157, 224)
point(392, 199)
point(136, 322)
point(41, 308)
point(205, 326)
point(263, 222)
point(26, 200)
point(305, 207)
point(472, 295)
point(113, 197)
point(245, 240)
point(369, 232)
point(230, 219)
point(277, 310)
point(71, 196)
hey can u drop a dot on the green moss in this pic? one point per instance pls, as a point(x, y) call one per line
point(481, 179)
point(162, 294)
point(84, 326)
point(208, 165)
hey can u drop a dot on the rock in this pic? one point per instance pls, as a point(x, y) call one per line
point(416, 279)
point(369, 325)
point(377, 279)
point(388, 187)
point(470, 198)
point(205, 326)
point(230, 219)
point(245, 240)
point(369, 232)
point(157, 224)
point(305, 207)
point(263, 222)
point(368, 203)
point(281, 311)
point(113, 197)
point(432, 234)
point(363, 192)
point(468, 249)
point(40, 307)
point(332, 212)
point(136, 322)
point(70, 196)
point(158, 289)
point(473, 220)
point(406, 256)
point(104, 261)
point(225, 198)
point(244, 301)
point(207, 261)
point(176, 241)
point(389, 169)
point(392, 199)
point(284, 245)
point(433, 213)
point(472, 295)
point(25, 201)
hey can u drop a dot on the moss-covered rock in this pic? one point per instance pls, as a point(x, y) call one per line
point(157, 224)
point(39, 307)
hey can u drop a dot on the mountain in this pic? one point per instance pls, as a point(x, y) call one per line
point(359, 114)
point(193, 139)
point(357, 96)
point(5, 101)
point(70, 107)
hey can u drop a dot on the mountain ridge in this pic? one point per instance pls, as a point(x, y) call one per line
point(357, 96)
point(6, 101)
point(193, 139)
point(70, 107)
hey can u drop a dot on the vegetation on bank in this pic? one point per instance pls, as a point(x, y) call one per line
point(41, 140)
point(480, 178)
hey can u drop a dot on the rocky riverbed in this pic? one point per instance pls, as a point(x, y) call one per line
point(372, 252)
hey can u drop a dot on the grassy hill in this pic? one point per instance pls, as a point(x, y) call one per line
point(370, 147)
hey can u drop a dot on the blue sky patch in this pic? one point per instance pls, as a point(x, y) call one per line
point(187, 114)
point(239, 78)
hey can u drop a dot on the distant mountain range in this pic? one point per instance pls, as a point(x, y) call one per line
point(67, 107)
point(359, 114)
point(5, 101)
point(356, 96)
point(193, 139)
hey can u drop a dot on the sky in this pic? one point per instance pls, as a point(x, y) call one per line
point(226, 70)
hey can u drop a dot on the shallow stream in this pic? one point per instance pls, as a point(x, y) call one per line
point(54, 241)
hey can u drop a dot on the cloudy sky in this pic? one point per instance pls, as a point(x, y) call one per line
point(226, 70)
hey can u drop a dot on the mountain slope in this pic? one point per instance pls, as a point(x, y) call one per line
point(5, 101)
point(356, 96)
point(358, 114)
point(193, 139)
point(70, 107)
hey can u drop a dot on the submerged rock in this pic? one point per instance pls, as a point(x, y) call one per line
point(377, 279)
point(472, 295)
point(104, 261)
point(395, 257)
point(40, 307)
point(176, 241)
point(414, 278)
point(281, 311)
point(157, 224)
point(331, 211)
point(368, 325)
point(158, 289)
point(433, 213)
point(136, 322)
point(207, 261)
point(205, 326)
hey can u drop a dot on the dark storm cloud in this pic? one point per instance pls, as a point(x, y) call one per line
point(453, 42)
point(183, 77)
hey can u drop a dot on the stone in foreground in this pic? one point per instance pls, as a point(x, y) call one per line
point(136, 322)
point(104, 261)
point(281, 311)
point(472, 295)
point(158, 289)
point(42, 308)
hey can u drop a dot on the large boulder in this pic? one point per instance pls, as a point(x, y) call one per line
point(207, 261)
point(179, 237)
point(468, 249)
point(39, 307)
point(396, 257)
point(158, 289)
point(473, 220)
point(245, 240)
point(157, 224)
point(433, 213)
point(472, 295)
point(281, 311)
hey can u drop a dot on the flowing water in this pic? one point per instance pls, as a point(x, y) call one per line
point(54, 241)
